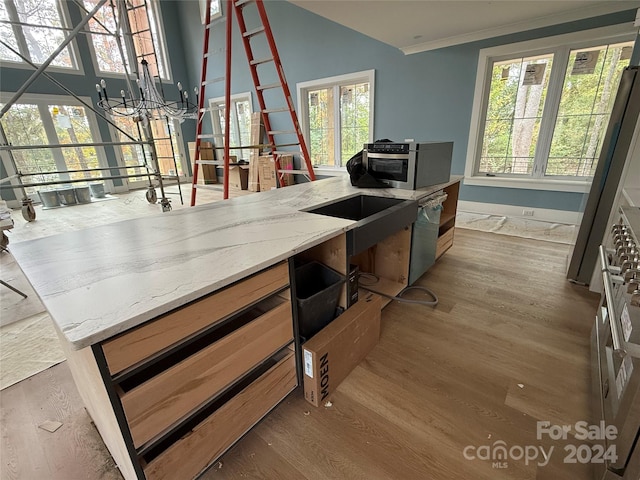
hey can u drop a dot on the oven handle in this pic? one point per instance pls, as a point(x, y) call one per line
point(388, 156)
point(608, 293)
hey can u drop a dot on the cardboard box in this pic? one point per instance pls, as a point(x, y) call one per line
point(254, 173)
point(239, 177)
point(267, 173)
point(330, 355)
point(208, 174)
point(286, 163)
point(256, 136)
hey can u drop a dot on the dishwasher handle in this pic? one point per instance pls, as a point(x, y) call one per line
point(608, 294)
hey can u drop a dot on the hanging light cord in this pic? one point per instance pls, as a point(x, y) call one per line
point(373, 279)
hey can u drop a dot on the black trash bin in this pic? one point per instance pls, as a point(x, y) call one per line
point(318, 290)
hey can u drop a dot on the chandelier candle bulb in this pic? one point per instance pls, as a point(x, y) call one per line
point(104, 89)
point(151, 103)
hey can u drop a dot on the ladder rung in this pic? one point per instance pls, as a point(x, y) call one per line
point(214, 53)
point(270, 85)
point(209, 135)
point(240, 3)
point(213, 80)
point(208, 187)
point(131, 9)
point(299, 172)
point(141, 31)
point(251, 33)
point(207, 109)
point(287, 152)
point(244, 146)
point(209, 162)
point(296, 144)
point(275, 110)
point(280, 132)
point(261, 60)
point(216, 21)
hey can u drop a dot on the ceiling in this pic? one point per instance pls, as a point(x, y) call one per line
point(420, 25)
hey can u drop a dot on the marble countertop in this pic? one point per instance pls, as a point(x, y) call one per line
point(98, 282)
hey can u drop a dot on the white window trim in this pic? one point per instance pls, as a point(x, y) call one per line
point(203, 10)
point(162, 54)
point(77, 69)
point(303, 110)
point(43, 101)
point(594, 37)
point(214, 105)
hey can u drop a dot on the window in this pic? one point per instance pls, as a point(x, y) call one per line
point(337, 116)
point(38, 29)
point(166, 142)
point(542, 109)
point(239, 122)
point(54, 120)
point(139, 31)
point(216, 10)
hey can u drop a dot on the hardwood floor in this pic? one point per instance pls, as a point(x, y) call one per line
point(508, 345)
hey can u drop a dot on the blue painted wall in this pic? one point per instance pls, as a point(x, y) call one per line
point(426, 96)
point(83, 84)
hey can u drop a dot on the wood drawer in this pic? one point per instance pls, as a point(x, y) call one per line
point(155, 405)
point(191, 454)
point(151, 338)
point(445, 241)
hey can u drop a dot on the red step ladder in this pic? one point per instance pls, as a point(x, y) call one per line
point(273, 147)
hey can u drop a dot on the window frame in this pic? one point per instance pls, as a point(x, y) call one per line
point(43, 102)
point(162, 55)
point(203, 10)
point(560, 46)
point(214, 107)
point(335, 82)
point(65, 19)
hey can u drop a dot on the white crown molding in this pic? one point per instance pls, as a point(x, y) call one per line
point(546, 21)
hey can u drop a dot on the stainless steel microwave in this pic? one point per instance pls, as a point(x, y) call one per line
point(409, 165)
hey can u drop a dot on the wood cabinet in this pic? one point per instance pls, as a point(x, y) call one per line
point(172, 395)
point(447, 219)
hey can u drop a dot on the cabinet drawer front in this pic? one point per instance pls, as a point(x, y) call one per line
point(132, 347)
point(212, 437)
point(445, 241)
point(161, 401)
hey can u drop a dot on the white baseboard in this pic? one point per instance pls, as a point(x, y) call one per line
point(540, 214)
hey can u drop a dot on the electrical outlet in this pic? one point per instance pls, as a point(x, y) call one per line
point(527, 213)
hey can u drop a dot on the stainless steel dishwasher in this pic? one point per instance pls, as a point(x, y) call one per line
point(424, 236)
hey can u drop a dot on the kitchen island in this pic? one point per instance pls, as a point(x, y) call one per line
point(179, 328)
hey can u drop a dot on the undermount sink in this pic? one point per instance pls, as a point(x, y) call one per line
point(376, 217)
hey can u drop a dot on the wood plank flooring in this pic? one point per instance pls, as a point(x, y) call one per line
point(508, 345)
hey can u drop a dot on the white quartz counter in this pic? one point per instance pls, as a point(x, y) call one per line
point(98, 282)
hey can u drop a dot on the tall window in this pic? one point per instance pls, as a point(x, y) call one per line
point(215, 8)
point(40, 121)
point(546, 109)
point(139, 31)
point(239, 122)
point(337, 116)
point(37, 31)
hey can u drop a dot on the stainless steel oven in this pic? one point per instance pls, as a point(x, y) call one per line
point(615, 344)
point(409, 165)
